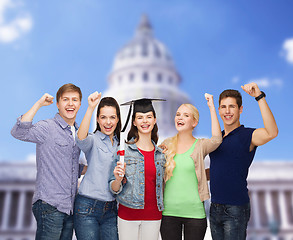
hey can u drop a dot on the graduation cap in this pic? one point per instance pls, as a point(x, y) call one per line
point(142, 105)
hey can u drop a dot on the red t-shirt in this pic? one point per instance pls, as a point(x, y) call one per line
point(150, 211)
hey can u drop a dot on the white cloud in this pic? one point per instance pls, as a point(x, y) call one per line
point(22, 23)
point(31, 157)
point(268, 83)
point(235, 79)
point(288, 50)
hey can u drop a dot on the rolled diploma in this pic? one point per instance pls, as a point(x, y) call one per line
point(122, 142)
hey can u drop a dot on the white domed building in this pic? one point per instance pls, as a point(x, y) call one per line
point(143, 68)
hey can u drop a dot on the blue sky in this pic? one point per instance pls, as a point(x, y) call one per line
point(215, 45)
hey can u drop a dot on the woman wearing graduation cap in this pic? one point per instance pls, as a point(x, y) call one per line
point(95, 207)
point(186, 184)
point(138, 182)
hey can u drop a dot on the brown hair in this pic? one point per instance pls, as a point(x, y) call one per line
point(110, 102)
point(133, 132)
point(233, 94)
point(69, 87)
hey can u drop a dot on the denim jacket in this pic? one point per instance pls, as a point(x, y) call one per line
point(131, 193)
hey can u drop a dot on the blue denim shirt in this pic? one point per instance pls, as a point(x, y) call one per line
point(131, 194)
point(57, 158)
point(98, 151)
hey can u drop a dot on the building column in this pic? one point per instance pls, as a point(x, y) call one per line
point(269, 205)
point(6, 210)
point(256, 215)
point(272, 221)
point(21, 210)
point(283, 210)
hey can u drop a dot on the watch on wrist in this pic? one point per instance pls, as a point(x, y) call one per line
point(260, 96)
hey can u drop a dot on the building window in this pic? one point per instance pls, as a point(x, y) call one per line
point(144, 50)
point(131, 77)
point(27, 212)
point(145, 76)
point(13, 208)
point(157, 51)
point(159, 77)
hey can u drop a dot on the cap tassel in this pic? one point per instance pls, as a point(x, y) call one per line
point(127, 119)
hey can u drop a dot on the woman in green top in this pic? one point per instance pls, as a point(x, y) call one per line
point(186, 184)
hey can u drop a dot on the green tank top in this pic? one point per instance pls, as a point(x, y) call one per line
point(181, 198)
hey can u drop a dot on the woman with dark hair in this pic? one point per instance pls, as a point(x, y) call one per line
point(95, 208)
point(138, 182)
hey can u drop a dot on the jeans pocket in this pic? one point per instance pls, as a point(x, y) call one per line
point(239, 213)
point(83, 209)
point(48, 209)
point(131, 166)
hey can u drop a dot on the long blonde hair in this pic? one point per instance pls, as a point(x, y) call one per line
point(171, 144)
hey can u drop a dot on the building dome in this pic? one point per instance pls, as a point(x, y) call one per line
point(143, 49)
point(144, 68)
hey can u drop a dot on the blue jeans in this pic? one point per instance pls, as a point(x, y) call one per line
point(229, 222)
point(94, 219)
point(51, 223)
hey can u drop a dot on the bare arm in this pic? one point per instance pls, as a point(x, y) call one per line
point(262, 135)
point(211, 144)
point(216, 129)
point(93, 101)
point(45, 100)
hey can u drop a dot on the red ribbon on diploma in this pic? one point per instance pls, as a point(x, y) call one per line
point(121, 152)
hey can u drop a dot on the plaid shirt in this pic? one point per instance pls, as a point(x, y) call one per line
point(57, 158)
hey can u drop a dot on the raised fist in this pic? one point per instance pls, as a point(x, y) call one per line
point(46, 100)
point(251, 89)
point(210, 99)
point(94, 99)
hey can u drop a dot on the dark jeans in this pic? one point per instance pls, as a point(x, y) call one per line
point(52, 224)
point(229, 222)
point(94, 219)
point(194, 229)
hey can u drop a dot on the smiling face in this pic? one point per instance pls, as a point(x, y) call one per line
point(184, 119)
point(144, 122)
point(68, 105)
point(108, 120)
point(230, 112)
